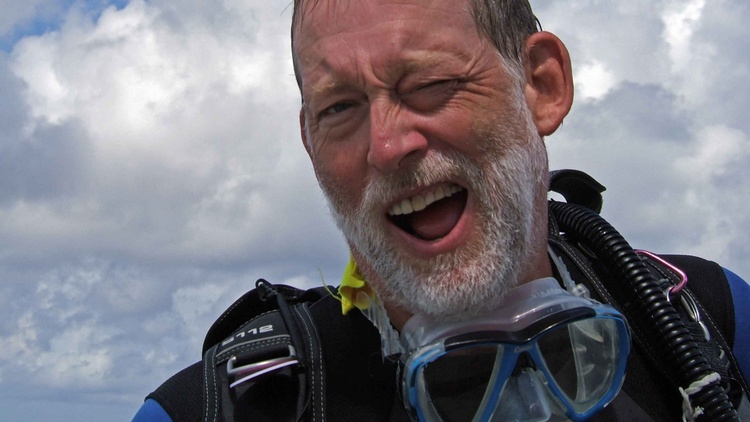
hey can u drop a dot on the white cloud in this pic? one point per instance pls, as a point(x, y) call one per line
point(667, 137)
point(176, 121)
point(151, 170)
point(717, 150)
point(714, 171)
point(680, 21)
point(21, 339)
point(180, 129)
point(78, 356)
point(594, 81)
point(194, 305)
point(58, 340)
point(620, 36)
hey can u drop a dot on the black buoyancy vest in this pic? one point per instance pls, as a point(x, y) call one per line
point(354, 381)
point(340, 375)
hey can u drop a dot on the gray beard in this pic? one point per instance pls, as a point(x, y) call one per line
point(474, 278)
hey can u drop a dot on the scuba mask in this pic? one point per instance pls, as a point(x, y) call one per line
point(544, 354)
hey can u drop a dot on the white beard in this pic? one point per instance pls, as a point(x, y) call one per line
point(475, 277)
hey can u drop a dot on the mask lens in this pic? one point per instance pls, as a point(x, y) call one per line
point(456, 384)
point(582, 359)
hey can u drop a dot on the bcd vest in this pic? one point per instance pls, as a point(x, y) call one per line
point(324, 366)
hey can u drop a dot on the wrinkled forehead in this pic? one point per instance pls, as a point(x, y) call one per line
point(318, 18)
point(311, 11)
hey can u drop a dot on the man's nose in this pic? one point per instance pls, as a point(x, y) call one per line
point(393, 138)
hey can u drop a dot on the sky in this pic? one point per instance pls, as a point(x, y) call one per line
point(151, 170)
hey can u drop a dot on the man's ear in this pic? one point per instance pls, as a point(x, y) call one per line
point(303, 131)
point(549, 81)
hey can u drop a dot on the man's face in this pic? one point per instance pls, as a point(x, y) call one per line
point(424, 147)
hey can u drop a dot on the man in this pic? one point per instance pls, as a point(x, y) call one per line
point(424, 121)
point(416, 101)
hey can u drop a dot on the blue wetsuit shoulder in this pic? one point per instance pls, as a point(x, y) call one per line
point(741, 297)
point(151, 411)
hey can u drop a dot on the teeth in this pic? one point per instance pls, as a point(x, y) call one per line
point(406, 207)
point(420, 202)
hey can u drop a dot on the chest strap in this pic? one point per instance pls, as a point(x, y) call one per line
point(271, 368)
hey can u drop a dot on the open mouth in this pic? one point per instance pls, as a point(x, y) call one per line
point(432, 214)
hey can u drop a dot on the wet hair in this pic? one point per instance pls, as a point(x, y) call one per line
point(506, 23)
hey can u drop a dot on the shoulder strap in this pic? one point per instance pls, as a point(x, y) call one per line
point(271, 367)
point(326, 372)
point(346, 366)
point(252, 304)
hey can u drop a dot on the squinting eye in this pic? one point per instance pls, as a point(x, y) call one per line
point(431, 96)
point(447, 83)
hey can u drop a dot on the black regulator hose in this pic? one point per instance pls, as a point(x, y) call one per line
point(647, 308)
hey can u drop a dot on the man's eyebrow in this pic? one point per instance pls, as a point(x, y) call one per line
point(326, 89)
point(423, 62)
point(437, 59)
point(427, 61)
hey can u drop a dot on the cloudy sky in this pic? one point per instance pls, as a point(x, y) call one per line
point(151, 170)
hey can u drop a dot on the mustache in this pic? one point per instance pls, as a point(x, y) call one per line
point(434, 168)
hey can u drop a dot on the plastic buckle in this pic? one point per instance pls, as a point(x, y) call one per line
point(251, 371)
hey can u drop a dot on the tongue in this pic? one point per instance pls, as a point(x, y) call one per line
point(438, 219)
